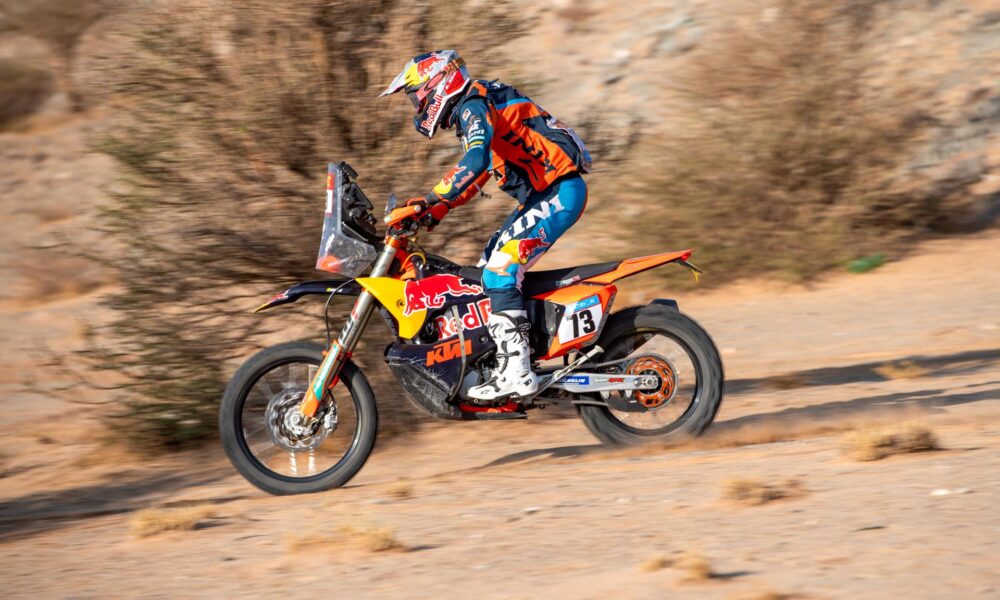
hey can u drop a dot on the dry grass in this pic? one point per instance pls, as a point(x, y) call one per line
point(656, 562)
point(753, 491)
point(694, 566)
point(875, 443)
point(152, 521)
point(400, 490)
point(375, 539)
point(906, 369)
point(370, 539)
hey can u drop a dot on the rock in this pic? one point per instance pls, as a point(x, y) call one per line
point(949, 492)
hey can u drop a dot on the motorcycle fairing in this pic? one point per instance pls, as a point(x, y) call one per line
point(428, 372)
point(323, 287)
point(399, 297)
point(575, 316)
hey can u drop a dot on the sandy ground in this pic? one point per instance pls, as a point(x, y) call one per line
point(538, 509)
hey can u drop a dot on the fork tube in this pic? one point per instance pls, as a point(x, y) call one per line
point(340, 350)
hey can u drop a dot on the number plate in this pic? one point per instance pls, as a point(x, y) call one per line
point(581, 319)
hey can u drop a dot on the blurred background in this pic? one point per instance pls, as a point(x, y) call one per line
point(835, 166)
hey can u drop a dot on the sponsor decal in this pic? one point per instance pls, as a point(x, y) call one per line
point(534, 154)
point(464, 180)
point(616, 380)
point(586, 303)
point(517, 252)
point(476, 315)
point(432, 292)
point(577, 379)
point(426, 66)
point(465, 114)
point(444, 186)
point(454, 83)
point(525, 248)
point(432, 111)
point(531, 218)
point(447, 351)
point(474, 128)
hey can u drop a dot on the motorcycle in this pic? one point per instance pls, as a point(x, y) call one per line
point(299, 417)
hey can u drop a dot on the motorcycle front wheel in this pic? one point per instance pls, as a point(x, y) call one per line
point(267, 442)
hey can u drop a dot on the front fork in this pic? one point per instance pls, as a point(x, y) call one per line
point(341, 349)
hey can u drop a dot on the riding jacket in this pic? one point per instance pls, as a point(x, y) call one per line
point(505, 134)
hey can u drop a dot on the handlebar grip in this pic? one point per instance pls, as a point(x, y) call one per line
point(401, 213)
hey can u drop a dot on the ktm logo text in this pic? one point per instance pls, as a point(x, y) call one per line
point(535, 153)
point(447, 351)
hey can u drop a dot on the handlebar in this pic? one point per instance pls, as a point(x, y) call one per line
point(401, 214)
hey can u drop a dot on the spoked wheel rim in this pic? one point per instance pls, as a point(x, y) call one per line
point(275, 436)
point(658, 352)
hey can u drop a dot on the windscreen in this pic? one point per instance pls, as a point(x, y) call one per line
point(341, 251)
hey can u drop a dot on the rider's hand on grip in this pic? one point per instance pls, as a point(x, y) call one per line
point(431, 214)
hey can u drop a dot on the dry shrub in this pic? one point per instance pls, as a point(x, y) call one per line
point(656, 562)
point(754, 491)
point(401, 490)
point(154, 520)
point(371, 539)
point(875, 443)
point(23, 88)
point(694, 567)
point(782, 147)
point(226, 115)
point(906, 369)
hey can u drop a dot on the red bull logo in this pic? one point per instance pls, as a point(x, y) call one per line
point(432, 292)
point(520, 251)
point(425, 66)
point(527, 247)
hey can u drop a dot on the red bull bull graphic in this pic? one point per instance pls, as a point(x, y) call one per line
point(517, 251)
point(427, 65)
point(527, 247)
point(432, 292)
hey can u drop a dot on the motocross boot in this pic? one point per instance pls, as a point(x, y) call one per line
point(513, 375)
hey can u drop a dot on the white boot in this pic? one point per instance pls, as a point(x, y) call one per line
point(513, 375)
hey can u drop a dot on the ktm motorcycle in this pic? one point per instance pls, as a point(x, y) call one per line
point(299, 417)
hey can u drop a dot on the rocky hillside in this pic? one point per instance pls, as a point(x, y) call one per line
point(775, 137)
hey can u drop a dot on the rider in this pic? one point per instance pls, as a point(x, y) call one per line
point(536, 159)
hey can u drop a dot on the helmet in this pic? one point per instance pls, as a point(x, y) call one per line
point(433, 83)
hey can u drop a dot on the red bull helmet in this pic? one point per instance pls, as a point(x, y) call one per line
point(433, 82)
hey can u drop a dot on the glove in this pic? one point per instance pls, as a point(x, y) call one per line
point(432, 212)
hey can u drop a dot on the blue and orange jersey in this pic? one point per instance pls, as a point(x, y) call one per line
point(505, 133)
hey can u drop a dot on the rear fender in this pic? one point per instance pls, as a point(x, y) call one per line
point(633, 266)
point(323, 287)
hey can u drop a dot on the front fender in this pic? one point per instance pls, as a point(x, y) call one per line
point(323, 287)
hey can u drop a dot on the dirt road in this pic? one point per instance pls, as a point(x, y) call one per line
point(537, 509)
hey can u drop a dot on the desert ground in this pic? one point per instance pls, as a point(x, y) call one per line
point(770, 503)
point(785, 496)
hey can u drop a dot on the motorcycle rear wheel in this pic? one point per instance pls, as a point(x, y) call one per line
point(696, 389)
point(252, 413)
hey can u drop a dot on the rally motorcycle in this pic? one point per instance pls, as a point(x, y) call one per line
point(299, 417)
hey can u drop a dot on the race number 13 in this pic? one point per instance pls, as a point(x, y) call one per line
point(581, 320)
